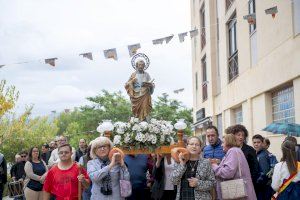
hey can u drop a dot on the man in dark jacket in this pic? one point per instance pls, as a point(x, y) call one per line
point(17, 171)
point(264, 191)
point(3, 174)
point(241, 133)
point(214, 150)
point(81, 150)
point(45, 153)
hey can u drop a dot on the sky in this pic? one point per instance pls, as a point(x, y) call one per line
point(34, 30)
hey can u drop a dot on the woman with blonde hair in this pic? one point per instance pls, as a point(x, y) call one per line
point(233, 166)
point(105, 174)
point(286, 176)
point(194, 178)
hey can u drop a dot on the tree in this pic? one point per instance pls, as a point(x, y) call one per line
point(22, 133)
point(8, 97)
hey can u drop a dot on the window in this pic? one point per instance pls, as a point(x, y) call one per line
point(204, 79)
point(296, 6)
point(238, 115)
point(219, 125)
point(251, 7)
point(233, 70)
point(229, 3)
point(283, 107)
point(202, 26)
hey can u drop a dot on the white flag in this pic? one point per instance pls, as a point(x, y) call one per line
point(181, 36)
point(111, 53)
point(169, 38)
point(50, 61)
point(133, 49)
point(87, 55)
point(158, 41)
point(193, 33)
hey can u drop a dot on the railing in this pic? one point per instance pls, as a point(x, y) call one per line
point(203, 38)
point(233, 67)
point(229, 3)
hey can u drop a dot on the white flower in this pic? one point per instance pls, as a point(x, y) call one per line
point(120, 130)
point(154, 140)
point(136, 120)
point(139, 137)
point(127, 138)
point(162, 139)
point(117, 139)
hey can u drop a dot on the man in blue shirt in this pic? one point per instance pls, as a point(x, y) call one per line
point(214, 149)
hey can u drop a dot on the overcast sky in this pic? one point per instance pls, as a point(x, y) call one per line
point(34, 30)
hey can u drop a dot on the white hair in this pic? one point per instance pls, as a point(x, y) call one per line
point(99, 141)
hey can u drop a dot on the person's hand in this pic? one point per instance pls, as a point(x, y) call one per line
point(182, 160)
point(134, 80)
point(81, 178)
point(114, 159)
point(193, 182)
point(214, 161)
point(122, 163)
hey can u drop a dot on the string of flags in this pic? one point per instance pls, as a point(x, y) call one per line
point(133, 48)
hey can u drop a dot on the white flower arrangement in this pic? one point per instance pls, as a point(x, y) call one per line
point(138, 134)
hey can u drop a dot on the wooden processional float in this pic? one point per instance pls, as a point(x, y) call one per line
point(159, 150)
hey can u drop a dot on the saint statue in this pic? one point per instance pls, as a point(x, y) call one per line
point(139, 87)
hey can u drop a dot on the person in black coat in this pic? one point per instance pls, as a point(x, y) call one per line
point(3, 174)
point(241, 133)
point(162, 188)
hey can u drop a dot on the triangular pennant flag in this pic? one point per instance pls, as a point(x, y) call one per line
point(50, 61)
point(250, 18)
point(169, 38)
point(87, 55)
point(193, 33)
point(133, 49)
point(181, 36)
point(272, 11)
point(1, 66)
point(111, 53)
point(158, 41)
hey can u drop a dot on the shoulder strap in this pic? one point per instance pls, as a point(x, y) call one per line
point(240, 172)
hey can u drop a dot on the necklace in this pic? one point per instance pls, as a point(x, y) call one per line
point(193, 168)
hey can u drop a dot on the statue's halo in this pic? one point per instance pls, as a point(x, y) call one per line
point(140, 56)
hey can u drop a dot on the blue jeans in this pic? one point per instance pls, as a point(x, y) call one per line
point(86, 195)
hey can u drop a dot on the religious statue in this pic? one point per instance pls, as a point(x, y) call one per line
point(139, 87)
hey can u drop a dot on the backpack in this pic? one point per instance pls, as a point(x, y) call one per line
point(272, 162)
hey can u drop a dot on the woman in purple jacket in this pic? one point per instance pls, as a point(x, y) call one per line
point(229, 167)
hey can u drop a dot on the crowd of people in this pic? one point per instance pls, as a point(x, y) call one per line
point(60, 171)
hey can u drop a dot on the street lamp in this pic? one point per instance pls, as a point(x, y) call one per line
point(105, 128)
point(180, 126)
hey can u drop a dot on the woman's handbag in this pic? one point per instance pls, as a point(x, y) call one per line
point(234, 189)
point(125, 186)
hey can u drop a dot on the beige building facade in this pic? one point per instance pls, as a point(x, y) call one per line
point(246, 73)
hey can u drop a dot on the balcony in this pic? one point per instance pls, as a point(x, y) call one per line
point(233, 67)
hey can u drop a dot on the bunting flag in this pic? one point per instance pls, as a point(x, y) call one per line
point(50, 61)
point(88, 55)
point(1, 66)
point(181, 36)
point(251, 18)
point(272, 11)
point(111, 53)
point(158, 41)
point(193, 33)
point(132, 49)
point(169, 38)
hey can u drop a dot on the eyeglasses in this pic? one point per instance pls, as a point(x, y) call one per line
point(64, 152)
point(23, 156)
point(104, 147)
